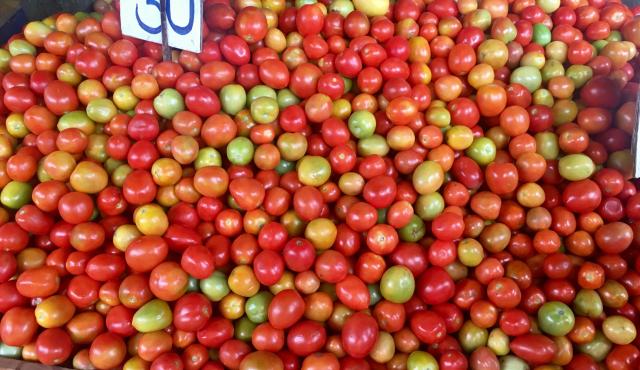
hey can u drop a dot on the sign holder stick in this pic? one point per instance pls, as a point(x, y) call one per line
point(166, 49)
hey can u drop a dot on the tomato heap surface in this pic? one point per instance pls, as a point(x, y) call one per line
point(366, 185)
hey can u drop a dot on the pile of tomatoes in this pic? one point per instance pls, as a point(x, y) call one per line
point(328, 185)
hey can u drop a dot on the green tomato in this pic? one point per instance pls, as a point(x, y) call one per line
point(470, 252)
point(154, 315)
point(429, 206)
point(579, 74)
point(547, 145)
point(556, 318)
point(240, 151)
point(300, 3)
point(208, 157)
point(124, 98)
point(233, 98)
point(215, 287)
point(260, 91)
point(528, 77)
point(599, 45)
point(373, 145)
point(419, 360)
point(362, 124)
point(256, 307)
point(101, 110)
point(598, 348)
point(588, 303)
point(10, 351)
point(5, 57)
point(120, 174)
point(313, 170)
point(284, 167)
point(480, 18)
point(576, 167)
point(193, 285)
point(438, 116)
point(614, 35)
point(413, 231)
point(344, 7)
point(15, 125)
point(374, 294)
point(243, 329)
point(382, 215)
point(77, 119)
point(20, 46)
point(541, 34)
point(543, 97)
point(397, 284)
point(16, 194)
point(471, 336)
point(552, 68)
point(548, 6)
point(168, 103)
point(264, 109)
point(286, 98)
point(482, 150)
point(556, 51)
point(511, 362)
point(111, 164)
point(498, 342)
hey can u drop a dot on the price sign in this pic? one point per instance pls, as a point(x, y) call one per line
point(182, 22)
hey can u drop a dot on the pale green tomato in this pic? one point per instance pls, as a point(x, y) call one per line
point(373, 145)
point(344, 7)
point(576, 167)
point(480, 18)
point(264, 109)
point(286, 98)
point(240, 151)
point(429, 206)
point(120, 174)
point(548, 6)
point(482, 150)
point(154, 315)
point(541, 34)
point(208, 157)
point(20, 46)
point(614, 35)
point(579, 74)
point(362, 124)
point(598, 348)
point(543, 97)
point(97, 147)
point(233, 98)
point(168, 103)
point(547, 145)
point(101, 110)
point(260, 91)
point(419, 360)
point(215, 287)
point(588, 303)
point(15, 125)
point(77, 119)
point(471, 336)
point(552, 68)
point(10, 351)
point(534, 59)
point(528, 77)
point(397, 284)
point(511, 362)
point(256, 307)
point(15, 194)
point(498, 342)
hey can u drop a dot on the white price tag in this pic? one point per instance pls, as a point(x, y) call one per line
point(142, 19)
